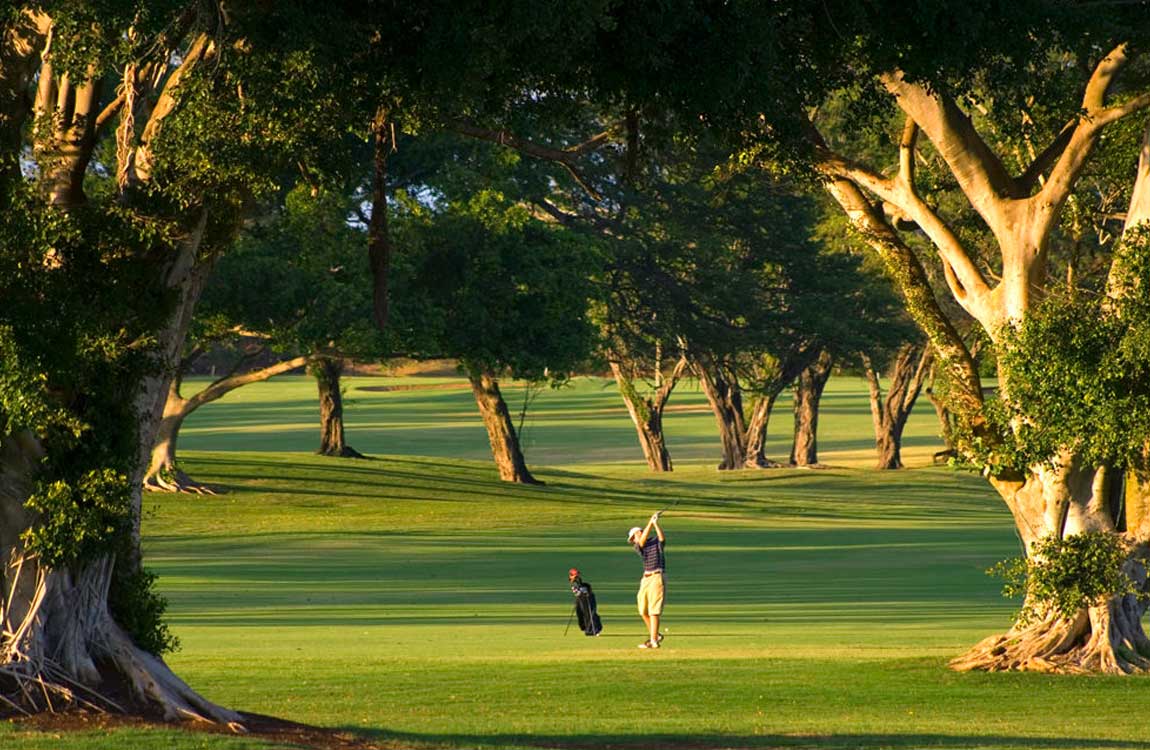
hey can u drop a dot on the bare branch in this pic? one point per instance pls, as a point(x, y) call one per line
point(110, 110)
point(664, 391)
point(1111, 114)
point(1107, 69)
point(906, 153)
point(980, 173)
point(201, 49)
point(568, 157)
point(1026, 181)
point(901, 193)
point(225, 385)
point(914, 285)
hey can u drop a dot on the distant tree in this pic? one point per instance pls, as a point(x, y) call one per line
point(505, 294)
point(300, 278)
point(906, 373)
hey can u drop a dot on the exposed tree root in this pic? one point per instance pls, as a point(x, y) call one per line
point(345, 451)
point(177, 481)
point(763, 463)
point(61, 649)
point(1105, 639)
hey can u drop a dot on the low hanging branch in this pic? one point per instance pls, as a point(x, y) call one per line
point(164, 473)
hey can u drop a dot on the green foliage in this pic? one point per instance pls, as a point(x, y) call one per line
point(139, 609)
point(1077, 372)
point(79, 520)
point(484, 282)
point(72, 344)
point(299, 276)
point(1066, 575)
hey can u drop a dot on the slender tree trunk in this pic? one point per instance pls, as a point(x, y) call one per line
point(808, 392)
point(647, 413)
point(723, 394)
point(327, 372)
point(500, 429)
point(757, 432)
point(378, 236)
point(164, 473)
point(889, 415)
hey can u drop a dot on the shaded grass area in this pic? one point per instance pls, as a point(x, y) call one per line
point(419, 602)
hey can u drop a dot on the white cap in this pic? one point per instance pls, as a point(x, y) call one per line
point(634, 532)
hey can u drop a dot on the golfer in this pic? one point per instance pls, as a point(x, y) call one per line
point(650, 548)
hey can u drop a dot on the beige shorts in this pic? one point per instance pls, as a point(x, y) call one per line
point(651, 595)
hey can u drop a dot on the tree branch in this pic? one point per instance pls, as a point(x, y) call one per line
point(568, 157)
point(378, 236)
point(914, 285)
point(140, 167)
point(22, 45)
point(1086, 132)
point(980, 173)
point(925, 361)
point(664, 391)
point(902, 194)
point(227, 384)
point(1025, 182)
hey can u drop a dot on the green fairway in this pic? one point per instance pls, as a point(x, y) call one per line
point(416, 600)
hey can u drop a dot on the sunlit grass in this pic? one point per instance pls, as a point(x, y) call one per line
point(417, 600)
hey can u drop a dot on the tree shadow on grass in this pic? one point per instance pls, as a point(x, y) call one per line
point(876, 741)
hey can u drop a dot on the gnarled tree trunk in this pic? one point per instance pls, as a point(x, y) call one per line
point(327, 372)
point(725, 397)
point(164, 473)
point(500, 429)
point(1105, 637)
point(757, 431)
point(808, 393)
point(1057, 500)
point(889, 415)
point(59, 639)
point(647, 412)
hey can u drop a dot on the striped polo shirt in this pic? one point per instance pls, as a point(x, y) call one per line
point(652, 554)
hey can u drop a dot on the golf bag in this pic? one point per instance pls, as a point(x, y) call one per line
point(585, 607)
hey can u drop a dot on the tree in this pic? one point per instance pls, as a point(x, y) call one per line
point(906, 373)
point(301, 277)
point(1015, 106)
point(724, 270)
point(164, 473)
point(135, 135)
point(1049, 490)
point(1055, 473)
point(483, 282)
